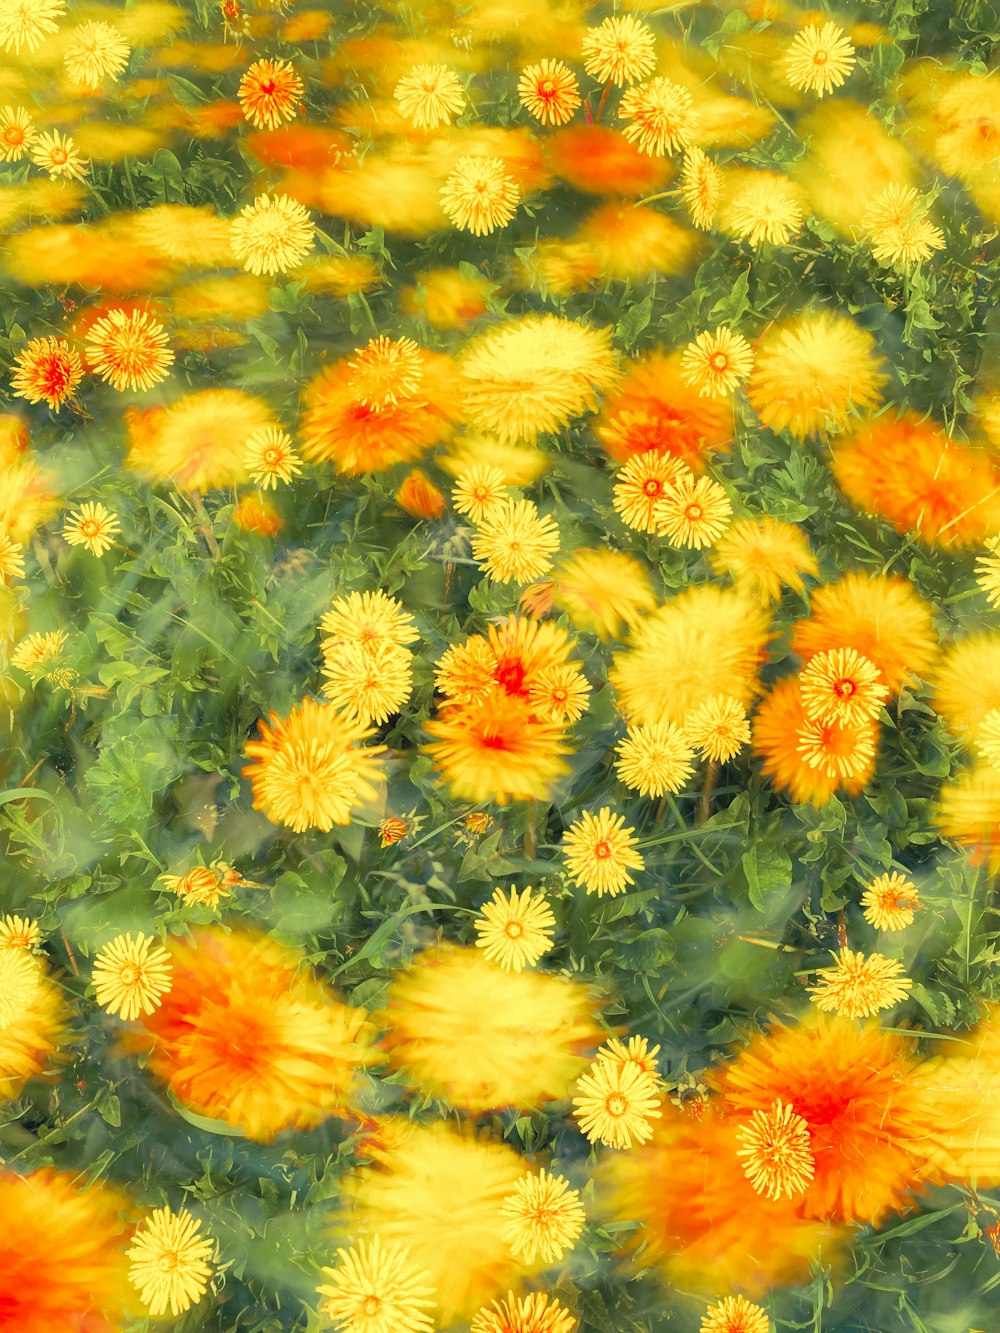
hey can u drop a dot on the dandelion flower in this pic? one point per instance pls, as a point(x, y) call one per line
point(128, 349)
point(762, 555)
point(715, 363)
point(92, 526)
point(95, 52)
point(559, 693)
point(544, 1218)
point(28, 22)
point(309, 770)
point(479, 491)
point(58, 155)
point(549, 92)
point(655, 759)
point(702, 187)
point(764, 207)
point(641, 485)
point(17, 133)
point(619, 51)
point(637, 1053)
point(419, 496)
point(48, 371)
point(600, 851)
point(778, 1158)
point(535, 1313)
point(479, 196)
point(20, 974)
point(429, 96)
point(202, 886)
point(693, 512)
point(858, 986)
point(19, 932)
point(38, 650)
point(131, 975)
point(369, 619)
point(386, 370)
point(514, 543)
point(270, 457)
point(890, 901)
point(735, 1314)
point(272, 235)
point(988, 571)
point(391, 831)
point(661, 115)
point(718, 728)
point(988, 738)
point(602, 591)
point(270, 93)
point(516, 931)
point(899, 232)
point(778, 729)
point(169, 1261)
point(616, 1104)
point(843, 686)
point(497, 749)
point(377, 1289)
point(11, 559)
point(819, 59)
point(368, 683)
point(839, 750)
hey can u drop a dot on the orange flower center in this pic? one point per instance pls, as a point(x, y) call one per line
point(90, 527)
point(371, 1305)
point(616, 1104)
point(693, 513)
point(131, 973)
point(513, 930)
point(602, 850)
point(719, 361)
point(652, 487)
point(59, 156)
point(168, 1261)
point(820, 57)
point(272, 457)
point(844, 689)
point(268, 87)
point(547, 89)
point(13, 135)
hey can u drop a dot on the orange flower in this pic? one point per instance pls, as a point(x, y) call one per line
point(199, 441)
point(787, 742)
point(270, 93)
point(549, 91)
point(420, 497)
point(248, 1037)
point(255, 514)
point(653, 408)
point(596, 160)
point(47, 371)
point(497, 750)
point(129, 350)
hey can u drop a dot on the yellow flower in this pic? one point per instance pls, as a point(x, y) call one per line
point(619, 51)
point(479, 195)
point(762, 554)
point(988, 737)
point(655, 759)
point(616, 1103)
point(763, 207)
point(702, 187)
point(131, 975)
point(385, 371)
point(514, 543)
point(28, 22)
point(429, 96)
point(544, 1218)
point(637, 1053)
point(20, 977)
point(560, 693)
point(48, 371)
point(777, 1152)
point(890, 901)
point(479, 491)
point(17, 133)
point(368, 683)
point(640, 486)
point(95, 52)
point(718, 728)
point(549, 92)
point(819, 59)
point(515, 931)
point(662, 117)
point(270, 93)
point(270, 457)
point(536, 1313)
point(391, 831)
point(59, 155)
point(169, 1261)
point(92, 526)
point(128, 349)
point(377, 1289)
point(735, 1314)
point(693, 512)
point(897, 228)
point(838, 750)
point(272, 235)
point(715, 363)
point(600, 851)
point(842, 686)
point(11, 559)
point(497, 749)
point(18, 932)
point(201, 886)
point(368, 619)
point(38, 650)
point(858, 986)
point(602, 591)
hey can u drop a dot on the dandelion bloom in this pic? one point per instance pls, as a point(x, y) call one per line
point(839, 750)
point(899, 233)
point(819, 59)
point(602, 591)
point(369, 619)
point(762, 207)
point(38, 650)
point(889, 901)
point(544, 1218)
point(560, 693)
point(661, 117)
point(270, 93)
point(132, 975)
point(718, 728)
point(988, 571)
point(641, 485)
point(128, 349)
point(386, 370)
point(33, 1012)
point(309, 771)
point(600, 851)
point(549, 92)
point(11, 559)
point(256, 514)
point(47, 371)
point(969, 812)
point(479, 195)
point(858, 986)
point(615, 1104)
point(715, 363)
point(841, 685)
point(511, 659)
point(967, 684)
point(28, 22)
point(988, 738)
point(429, 96)
point(17, 133)
point(693, 511)
point(812, 373)
point(199, 441)
point(516, 931)
point(391, 831)
point(702, 187)
point(203, 886)
point(735, 1314)
point(655, 759)
point(58, 155)
point(169, 1261)
point(479, 491)
point(535, 1313)
point(479, 1037)
point(272, 235)
point(619, 51)
point(92, 526)
point(776, 1150)
point(514, 543)
point(270, 457)
point(20, 975)
point(637, 1053)
point(19, 932)
point(533, 375)
point(376, 1288)
point(497, 749)
point(368, 683)
point(419, 496)
point(762, 555)
point(95, 52)
point(787, 742)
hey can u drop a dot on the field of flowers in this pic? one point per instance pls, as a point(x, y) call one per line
point(499, 666)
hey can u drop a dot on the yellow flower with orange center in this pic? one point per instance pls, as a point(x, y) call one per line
point(702, 187)
point(11, 559)
point(619, 50)
point(479, 195)
point(890, 901)
point(385, 371)
point(716, 363)
point(17, 133)
point(777, 1152)
point(819, 59)
point(858, 986)
point(131, 975)
point(842, 686)
point(640, 486)
point(270, 93)
point(735, 1314)
point(92, 526)
point(129, 350)
point(535, 1313)
point(47, 371)
point(58, 155)
point(169, 1261)
point(616, 1103)
point(600, 851)
point(514, 542)
point(549, 92)
point(272, 235)
point(515, 931)
point(655, 759)
point(693, 511)
point(429, 96)
point(544, 1218)
point(377, 1289)
point(661, 117)
point(270, 457)
point(718, 728)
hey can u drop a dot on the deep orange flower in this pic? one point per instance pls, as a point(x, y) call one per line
point(47, 371)
point(497, 750)
point(780, 727)
point(653, 408)
point(253, 513)
point(597, 160)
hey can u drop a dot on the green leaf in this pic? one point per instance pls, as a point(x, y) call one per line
point(767, 868)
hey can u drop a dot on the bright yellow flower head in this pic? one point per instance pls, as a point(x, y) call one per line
point(602, 591)
point(514, 543)
point(132, 975)
point(20, 976)
point(640, 486)
point(385, 371)
point(890, 901)
point(430, 96)
point(516, 931)
point(716, 362)
point(169, 1261)
point(27, 23)
point(19, 932)
point(702, 187)
point(549, 91)
point(497, 748)
point(718, 728)
point(368, 683)
point(762, 554)
point(376, 1288)
point(129, 350)
point(200, 441)
point(842, 685)
point(94, 53)
point(620, 50)
point(761, 207)
point(600, 851)
point(819, 59)
point(272, 235)
point(777, 1152)
point(270, 457)
point(655, 759)
point(270, 93)
point(693, 511)
point(536, 1313)
point(479, 195)
point(859, 986)
point(544, 1218)
point(735, 1314)
point(661, 117)
point(479, 492)
point(92, 526)
point(615, 1104)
